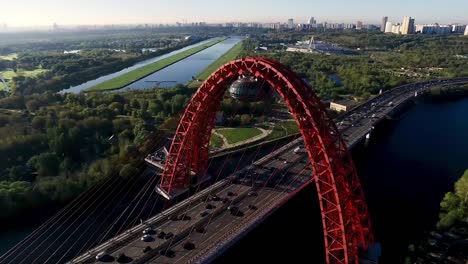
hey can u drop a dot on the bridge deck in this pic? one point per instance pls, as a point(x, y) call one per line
point(221, 227)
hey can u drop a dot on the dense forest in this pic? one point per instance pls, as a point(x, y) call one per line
point(54, 146)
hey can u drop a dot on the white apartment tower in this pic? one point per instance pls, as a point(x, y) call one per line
point(388, 27)
point(408, 26)
point(291, 23)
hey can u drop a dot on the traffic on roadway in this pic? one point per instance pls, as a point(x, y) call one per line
point(201, 227)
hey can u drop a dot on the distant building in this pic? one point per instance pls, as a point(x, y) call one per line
point(319, 47)
point(408, 26)
point(458, 29)
point(290, 23)
point(359, 25)
point(434, 29)
point(466, 31)
point(312, 21)
point(273, 25)
point(343, 105)
point(384, 24)
point(396, 28)
point(388, 27)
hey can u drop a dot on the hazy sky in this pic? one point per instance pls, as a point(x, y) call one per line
point(46, 12)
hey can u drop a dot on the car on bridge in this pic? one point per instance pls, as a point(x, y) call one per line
point(103, 256)
point(149, 231)
point(147, 238)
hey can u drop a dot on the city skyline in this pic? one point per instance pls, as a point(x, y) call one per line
point(24, 13)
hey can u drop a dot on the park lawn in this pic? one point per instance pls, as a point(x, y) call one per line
point(216, 141)
point(230, 55)
point(9, 74)
point(283, 129)
point(235, 135)
point(9, 57)
point(130, 77)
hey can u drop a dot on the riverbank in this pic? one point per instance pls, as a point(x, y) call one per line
point(449, 92)
point(140, 73)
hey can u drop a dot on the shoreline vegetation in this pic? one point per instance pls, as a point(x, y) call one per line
point(140, 73)
point(449, 93)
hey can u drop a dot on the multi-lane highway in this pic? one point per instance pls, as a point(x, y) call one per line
point(204, 225)
point(356, 124)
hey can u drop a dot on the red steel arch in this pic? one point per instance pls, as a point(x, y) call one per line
point(345, 218)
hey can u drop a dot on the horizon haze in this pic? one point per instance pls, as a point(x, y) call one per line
point(30, 13)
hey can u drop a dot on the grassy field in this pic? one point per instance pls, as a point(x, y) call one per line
point(8, 75)
point(128, 78)
point(9, 57)
point(216, 141)
point(234, 135)
point(283, 129)
point(227, 57)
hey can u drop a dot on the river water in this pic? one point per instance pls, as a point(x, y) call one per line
point(180, 72)
point(183, 71)
point(406, 168)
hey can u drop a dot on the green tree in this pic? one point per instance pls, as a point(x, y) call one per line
point(245, 119)
point(33, 105)
point(100, 169)
point(116, 107)
point(454, 206)
point(38, 122)
point(127, 171)
point(135, 104)
point(20, 173)
point(46, 164)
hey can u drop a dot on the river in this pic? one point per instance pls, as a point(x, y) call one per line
point(180, 72)
point(406, 168)
point(183, 71)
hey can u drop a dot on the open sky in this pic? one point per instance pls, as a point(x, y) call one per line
point(73, 12)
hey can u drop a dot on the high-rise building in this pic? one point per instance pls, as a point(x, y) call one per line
point(466, 31)
point(312, 21)
point(290, 23)
point(408, 26)
point(359, 25)
point(384, 23)
point(396, 28)
point(388, 27)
